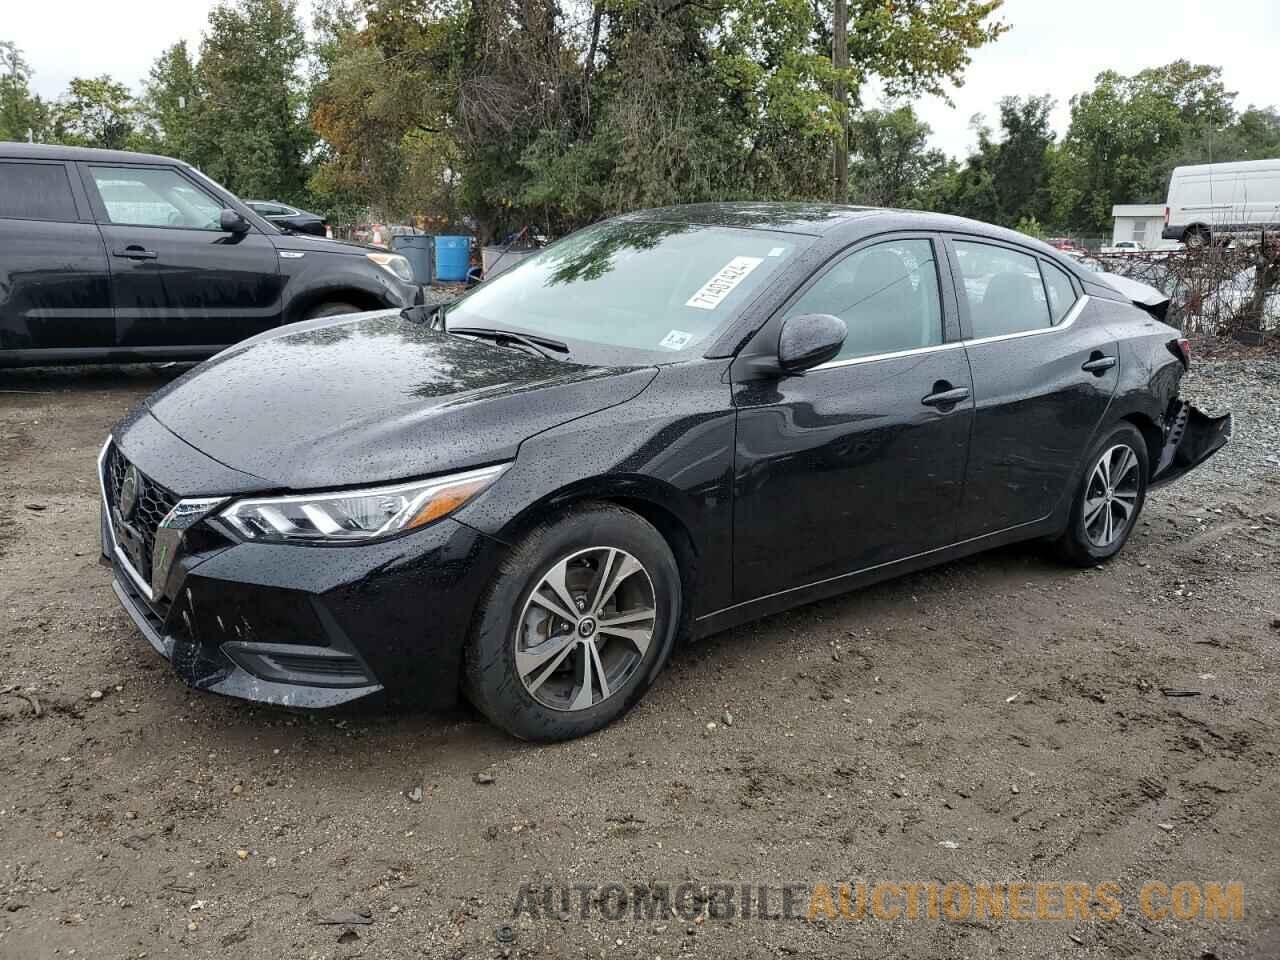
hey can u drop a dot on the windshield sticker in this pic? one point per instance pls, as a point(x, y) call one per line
point(777, 251)
point(676, 340)
point(723, 283)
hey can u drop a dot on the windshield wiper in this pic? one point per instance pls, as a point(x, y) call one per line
point(543, 346)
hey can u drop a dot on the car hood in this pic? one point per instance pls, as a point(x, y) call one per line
point(376, 398)
point(306, 243)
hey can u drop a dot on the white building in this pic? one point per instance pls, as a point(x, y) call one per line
point(1138, 221)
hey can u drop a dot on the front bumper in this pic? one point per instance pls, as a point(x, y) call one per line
point(313, 626)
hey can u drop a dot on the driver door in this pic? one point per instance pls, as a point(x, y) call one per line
point(858, 462)
point(177, 278)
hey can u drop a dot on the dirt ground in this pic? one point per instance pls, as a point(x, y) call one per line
point(999, 719)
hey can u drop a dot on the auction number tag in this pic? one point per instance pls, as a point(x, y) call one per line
point(723, 283)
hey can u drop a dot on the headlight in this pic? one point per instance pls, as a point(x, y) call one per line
point(355, 515)
point(393, 263)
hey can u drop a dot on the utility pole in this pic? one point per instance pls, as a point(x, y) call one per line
point(840, 60)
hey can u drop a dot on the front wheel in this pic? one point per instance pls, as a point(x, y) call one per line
point(578, 622)
point(335, 308)
point(1110, 497)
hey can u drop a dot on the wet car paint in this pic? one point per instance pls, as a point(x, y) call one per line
point(376, 399)
point(771, 490)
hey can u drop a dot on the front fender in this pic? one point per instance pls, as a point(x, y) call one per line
point(321, 281)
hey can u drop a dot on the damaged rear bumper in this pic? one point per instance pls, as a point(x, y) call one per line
point(1193, 437)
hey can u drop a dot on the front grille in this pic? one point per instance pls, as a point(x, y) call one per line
point(154, 503)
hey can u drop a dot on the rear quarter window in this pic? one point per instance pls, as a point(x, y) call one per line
point(36, 191)
point(1058, 287)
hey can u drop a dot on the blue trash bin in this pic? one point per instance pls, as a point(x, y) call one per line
point(417, 249)
point(453, 256)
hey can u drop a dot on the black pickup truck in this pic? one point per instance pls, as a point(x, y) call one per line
point(114, 256)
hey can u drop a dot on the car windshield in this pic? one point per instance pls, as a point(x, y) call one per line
point(649, 291)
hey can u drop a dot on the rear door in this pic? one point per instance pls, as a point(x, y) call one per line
point(860, 461)
point(179, 279)
point(55, 292)
point(1042, 381)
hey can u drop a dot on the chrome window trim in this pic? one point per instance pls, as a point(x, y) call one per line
point(871, 358)
point(1076, 309)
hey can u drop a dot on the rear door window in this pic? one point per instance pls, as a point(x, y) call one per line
point(154, 197)
point(1002, 289)
point(36, 191)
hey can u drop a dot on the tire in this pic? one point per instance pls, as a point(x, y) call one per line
point(1196, 238)
point(524, 664)
point(1087, 540)
point(331, 309)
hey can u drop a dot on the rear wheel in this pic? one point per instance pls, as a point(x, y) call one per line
point(1197, 237)
point(1109, 499)
point(332, 309)
point(576, 625)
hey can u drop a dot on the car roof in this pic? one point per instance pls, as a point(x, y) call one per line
point(794, 217)
point(48, 151)
point(824, 219)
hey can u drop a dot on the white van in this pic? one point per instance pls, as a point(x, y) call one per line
point(1221, 198)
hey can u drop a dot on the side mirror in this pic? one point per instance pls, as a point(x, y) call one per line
point(808, 340)
point(230, 221)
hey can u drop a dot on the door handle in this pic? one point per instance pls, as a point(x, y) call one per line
point(1098, 365)
point(135, 252)
point(945, 396)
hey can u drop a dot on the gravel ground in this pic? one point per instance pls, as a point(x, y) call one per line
point(997, 719)
point(1250, 389)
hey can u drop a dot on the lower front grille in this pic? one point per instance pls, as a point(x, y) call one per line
point(151, 504)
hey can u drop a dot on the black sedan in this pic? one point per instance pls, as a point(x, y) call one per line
point(288, 218)
point(665, 424)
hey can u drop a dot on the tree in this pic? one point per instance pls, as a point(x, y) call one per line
point(1007, 178)
point(21, 112)
point(1020, 169)
point(169, 104)
point(1125, 134)
point(527, 111)
point(95, 112)
point(892, 164)
point(248, 128)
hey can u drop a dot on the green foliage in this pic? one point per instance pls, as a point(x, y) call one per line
point(891, 164)
point(1126, 134)
point(169, 105)
point(1031, 227)
point(497, 114)
point(248, 127)
point(20, 110)
point(545, 113)
point(1006, 179)
point(95, 112)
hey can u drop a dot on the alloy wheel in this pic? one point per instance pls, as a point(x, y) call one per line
point(585, 628)
point(1111, 498)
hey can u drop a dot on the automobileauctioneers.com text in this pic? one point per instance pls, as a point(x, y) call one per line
point(886, 901)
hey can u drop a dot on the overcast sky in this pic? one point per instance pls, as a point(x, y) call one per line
point(1053, 47)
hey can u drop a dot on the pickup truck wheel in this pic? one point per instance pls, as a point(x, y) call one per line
point(1110, 497)
point(332, 309)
